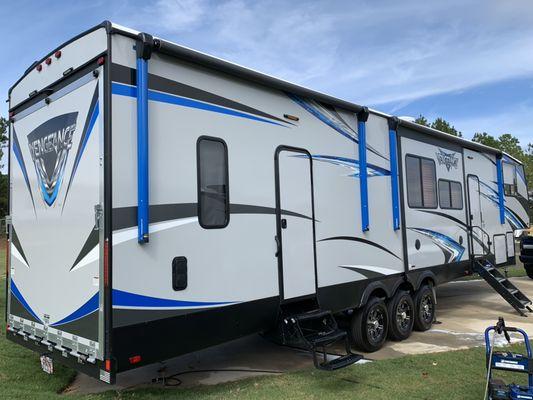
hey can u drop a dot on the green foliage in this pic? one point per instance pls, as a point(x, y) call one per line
point(3, 178)
point(444, 126)
point(440, 124)
point(421, 120)
point(486, 139)
point(511, 145)
point(3, 136)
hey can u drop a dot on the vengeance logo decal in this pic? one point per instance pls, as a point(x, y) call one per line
point(448, 159)
point(49, 146)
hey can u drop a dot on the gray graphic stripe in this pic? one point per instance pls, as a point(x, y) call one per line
point(128, 76)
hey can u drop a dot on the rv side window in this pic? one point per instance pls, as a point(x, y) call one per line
point(450, 194)
point(510, 184)
point(213, 190)
point(421, 182)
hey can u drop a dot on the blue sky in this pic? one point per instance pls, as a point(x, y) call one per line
point(468, 61)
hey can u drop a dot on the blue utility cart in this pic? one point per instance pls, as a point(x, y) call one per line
point(497, 389)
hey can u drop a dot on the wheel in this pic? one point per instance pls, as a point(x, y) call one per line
point(369, 325)
point(425, 308)
point(401, 310)
point(529, 270)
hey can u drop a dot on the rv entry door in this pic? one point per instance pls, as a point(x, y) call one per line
point(295, 223)
point(476, 217)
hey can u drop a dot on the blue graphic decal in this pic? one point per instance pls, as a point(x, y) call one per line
point(88, 308)
point(351, 164)
point(49, 145)
point(16, 292)
point(510, 215)
point(20, 159)
point(331, 120)
point(126, 299)
point(339, 126)
point(131, 91)
point(452, 250)
point(92, 121)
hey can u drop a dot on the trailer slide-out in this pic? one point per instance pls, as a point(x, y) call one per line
point(163, 201)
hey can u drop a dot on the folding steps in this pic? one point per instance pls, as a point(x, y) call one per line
point(315, 331)
point(503, 286)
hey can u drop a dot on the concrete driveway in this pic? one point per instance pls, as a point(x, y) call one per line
point(464, 310)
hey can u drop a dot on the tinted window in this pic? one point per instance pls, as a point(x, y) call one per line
point(429, 183)
point(456, 190)
point(421, 182)
point(213, 190)
point(450, 194)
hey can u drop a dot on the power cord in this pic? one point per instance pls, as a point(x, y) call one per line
point(173, 380)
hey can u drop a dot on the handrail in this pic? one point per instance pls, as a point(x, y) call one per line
point(486, 251)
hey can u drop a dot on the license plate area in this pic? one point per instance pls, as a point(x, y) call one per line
point(47, 364)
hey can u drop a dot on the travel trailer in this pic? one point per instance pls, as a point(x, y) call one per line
point(163, 201)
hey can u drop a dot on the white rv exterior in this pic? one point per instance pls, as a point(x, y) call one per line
point(256, 203)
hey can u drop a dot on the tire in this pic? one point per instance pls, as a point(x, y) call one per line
point(529, 270)
point(425, 308)
point(401, 310)
point(369, 325)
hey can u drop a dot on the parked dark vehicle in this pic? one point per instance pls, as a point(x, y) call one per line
point(526, 254)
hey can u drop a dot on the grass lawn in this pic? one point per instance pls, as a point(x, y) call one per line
point(452, 375)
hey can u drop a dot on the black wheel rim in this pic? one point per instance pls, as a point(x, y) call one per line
point(375, 324)
point(404, 314)
point(427, 308)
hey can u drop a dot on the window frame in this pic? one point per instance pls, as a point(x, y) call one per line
point(506, 192)
point(420, 158)
point(449, 182)
point(198, 182)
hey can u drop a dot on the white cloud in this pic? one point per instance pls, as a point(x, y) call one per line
point(170, 16)
point(370, 52)
point(514, 121)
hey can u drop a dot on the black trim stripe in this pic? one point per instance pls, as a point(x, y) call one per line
point(126, 217)
point(16, 242)
point(91, 242)
point(361, 240)
point(86, 327)
point(523, 202)
point(17, 309)
point(444, 215)
point(128, 76)
point(82, 139)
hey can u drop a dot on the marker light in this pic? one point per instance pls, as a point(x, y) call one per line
point(48, 61)
point(39, 67)
point(101, 61)
point(135, 359)
point(57, 54)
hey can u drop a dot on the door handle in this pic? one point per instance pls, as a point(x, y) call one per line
point(283, 223)
point(278, 245)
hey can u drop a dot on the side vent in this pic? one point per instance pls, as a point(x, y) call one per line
point(179, 273)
